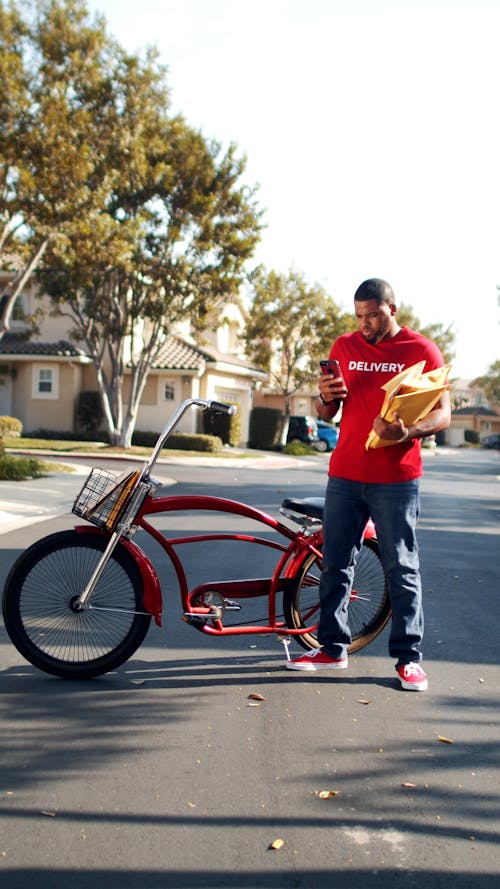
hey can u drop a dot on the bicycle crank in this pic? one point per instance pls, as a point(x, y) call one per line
point(215, 604)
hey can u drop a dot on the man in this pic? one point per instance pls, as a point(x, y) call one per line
point(381, 483)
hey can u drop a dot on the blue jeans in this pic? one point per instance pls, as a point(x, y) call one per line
point(394, 508)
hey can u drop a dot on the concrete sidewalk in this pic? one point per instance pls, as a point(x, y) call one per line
point(36, 500)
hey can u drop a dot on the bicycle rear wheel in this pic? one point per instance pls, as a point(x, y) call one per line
point(41, 622)
point(369, 607)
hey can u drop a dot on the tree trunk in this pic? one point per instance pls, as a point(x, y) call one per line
point(16, 286)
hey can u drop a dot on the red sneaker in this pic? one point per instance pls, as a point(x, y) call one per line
point(317, 659)
point(412, 677)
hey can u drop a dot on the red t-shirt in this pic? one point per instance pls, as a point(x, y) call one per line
point(366, 368)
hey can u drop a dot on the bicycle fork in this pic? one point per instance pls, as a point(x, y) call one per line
point(82, 602)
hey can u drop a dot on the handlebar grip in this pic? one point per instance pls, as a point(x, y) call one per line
point(221, 408)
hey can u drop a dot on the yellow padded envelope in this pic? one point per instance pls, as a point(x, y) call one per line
point(412, 394)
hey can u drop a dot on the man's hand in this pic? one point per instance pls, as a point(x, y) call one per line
point(394, 431)
point(332, 388)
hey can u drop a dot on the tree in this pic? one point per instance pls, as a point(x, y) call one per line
point(443, 337)
point(161, 225)
point(40, 161)
point(20, 249)
point(490, 383)
point(292, 325)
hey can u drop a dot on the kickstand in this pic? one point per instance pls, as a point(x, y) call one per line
point(285, 641)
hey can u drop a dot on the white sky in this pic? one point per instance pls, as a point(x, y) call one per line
point(372, 128)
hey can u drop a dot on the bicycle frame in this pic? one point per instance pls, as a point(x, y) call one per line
point(209, 619)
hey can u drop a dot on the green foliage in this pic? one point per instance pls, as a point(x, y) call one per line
point(16, 469)
point(88, 412)
point(10, 427)
point(58, 437)
point(298, 448)
point(226, 427)
point(490, 384)
point(292, 325)
point(265, 428)
point(471, 436)
point(443, 337)
point(143, 219)
point(180, 441)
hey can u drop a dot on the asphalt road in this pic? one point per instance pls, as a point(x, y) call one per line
point(163, 775)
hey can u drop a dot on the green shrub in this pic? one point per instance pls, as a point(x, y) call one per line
point(88, 413)
point(265, 428)
point(10, 427)
point(15, 469)
point(65, 435)
point(180, 441)
point(225, 426)
point(471, 436)
point(298, 449)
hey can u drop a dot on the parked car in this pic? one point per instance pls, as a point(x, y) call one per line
point(303, 429)
point(328, 436)
point(492, 441)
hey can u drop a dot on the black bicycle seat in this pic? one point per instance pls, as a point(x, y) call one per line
point(310, 506)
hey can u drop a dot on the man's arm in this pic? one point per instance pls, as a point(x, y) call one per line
point(437, 419)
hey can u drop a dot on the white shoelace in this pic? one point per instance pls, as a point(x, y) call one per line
point(413, 670)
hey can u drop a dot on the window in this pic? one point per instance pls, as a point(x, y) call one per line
point(45, 382)
point(169, 391)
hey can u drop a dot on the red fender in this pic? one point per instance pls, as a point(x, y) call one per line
point(151, 589)
point(370, 530)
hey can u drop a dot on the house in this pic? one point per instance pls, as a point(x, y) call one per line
point(471, 412)
point(41, 377)
point(477, 418)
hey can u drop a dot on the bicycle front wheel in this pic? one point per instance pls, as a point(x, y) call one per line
point(38, 606)
point(369, 606)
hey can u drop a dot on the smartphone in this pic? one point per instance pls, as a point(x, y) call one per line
point(331, 367)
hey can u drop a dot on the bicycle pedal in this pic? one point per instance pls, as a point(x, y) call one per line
point(200, 620)
point(231, 605)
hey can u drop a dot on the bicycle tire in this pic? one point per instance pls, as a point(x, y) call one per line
point(37, 612)
point(369, 608)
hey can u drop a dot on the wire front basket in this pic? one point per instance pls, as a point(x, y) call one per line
point(104, 497)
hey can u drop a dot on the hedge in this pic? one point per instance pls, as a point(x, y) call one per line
point(180, 441)
point(265, 428)
point(226, 426)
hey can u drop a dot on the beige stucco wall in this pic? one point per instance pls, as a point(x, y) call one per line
point(54, 411)
point(155, 409)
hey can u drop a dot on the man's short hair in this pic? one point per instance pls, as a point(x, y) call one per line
point(377, 289)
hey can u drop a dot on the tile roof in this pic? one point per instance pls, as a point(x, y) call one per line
point(177, 354)
point(477, 409)
point(12, 344)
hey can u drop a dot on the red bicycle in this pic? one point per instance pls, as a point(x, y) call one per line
point(79, 603)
